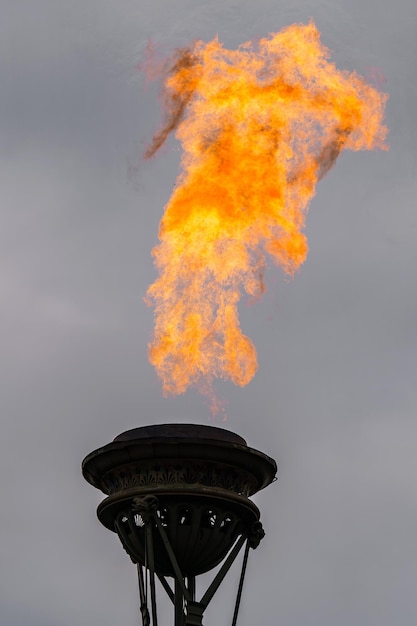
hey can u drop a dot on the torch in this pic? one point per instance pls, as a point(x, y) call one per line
point(178, 497)
point(259, 127)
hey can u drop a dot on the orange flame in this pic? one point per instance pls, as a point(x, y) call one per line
point(258, 128)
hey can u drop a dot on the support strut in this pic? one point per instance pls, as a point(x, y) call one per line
point(188, 611)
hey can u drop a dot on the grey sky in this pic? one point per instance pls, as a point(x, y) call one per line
point(335, 397)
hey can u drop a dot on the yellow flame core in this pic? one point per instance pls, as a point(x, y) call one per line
point(258, 128)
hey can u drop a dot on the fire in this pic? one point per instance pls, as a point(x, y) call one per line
point(259, 126)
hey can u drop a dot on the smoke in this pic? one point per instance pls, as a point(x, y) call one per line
point(182, 62)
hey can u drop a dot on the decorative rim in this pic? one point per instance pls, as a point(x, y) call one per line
point(211, 448)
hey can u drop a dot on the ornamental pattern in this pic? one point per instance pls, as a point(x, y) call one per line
point(169, 475)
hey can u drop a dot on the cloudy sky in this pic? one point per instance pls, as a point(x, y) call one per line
point(335, 397)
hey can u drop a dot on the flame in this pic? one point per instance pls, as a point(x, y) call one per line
point(259, 126)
